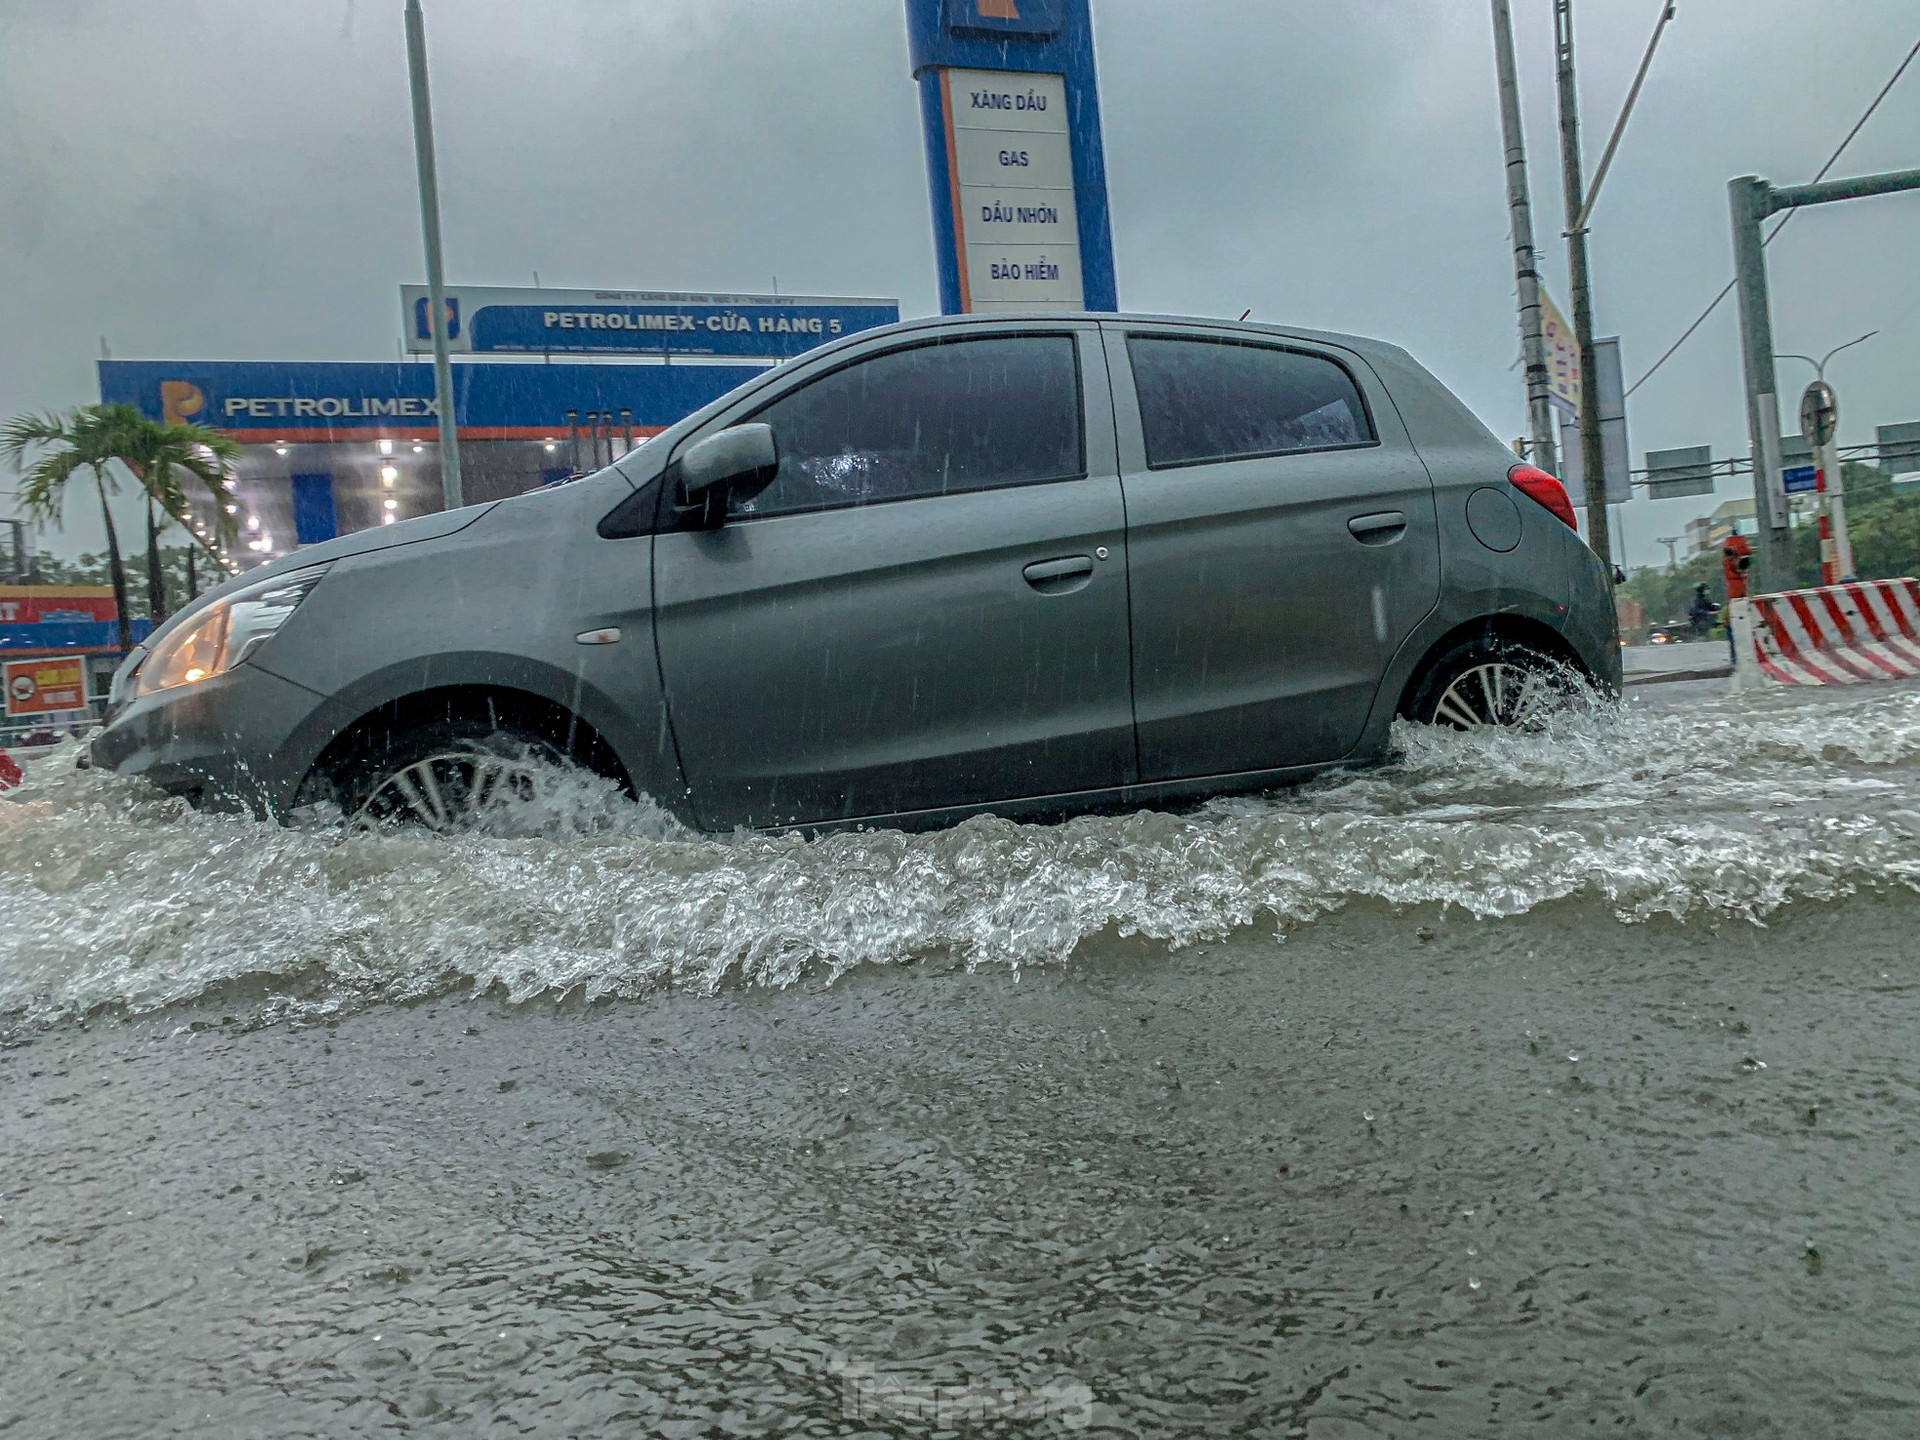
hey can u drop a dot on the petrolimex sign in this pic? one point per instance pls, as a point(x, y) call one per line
point(1012, 160)
point(495, 320)
point(323, 402)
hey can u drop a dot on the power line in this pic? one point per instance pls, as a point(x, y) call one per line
point(1825, 169)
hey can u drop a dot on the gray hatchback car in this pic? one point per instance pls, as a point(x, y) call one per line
point(1027, 564)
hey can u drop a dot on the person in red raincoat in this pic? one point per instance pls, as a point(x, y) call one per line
point(1736, 559)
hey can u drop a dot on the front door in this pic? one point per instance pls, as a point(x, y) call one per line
point(926, 608)
point(1282, 543)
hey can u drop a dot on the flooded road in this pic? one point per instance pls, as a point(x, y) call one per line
point(1564, 1078)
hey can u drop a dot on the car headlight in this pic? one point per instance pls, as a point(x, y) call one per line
point(224, 634)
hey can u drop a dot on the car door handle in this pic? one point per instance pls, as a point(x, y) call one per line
point(1052, 577)
point(1379, 529)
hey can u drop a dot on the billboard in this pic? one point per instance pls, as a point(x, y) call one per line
point(1016, 168)
point(1011, 158)
point(1613, 432)
point(506, 320)
point(48, 686)
point(56, 604)
point(1563, 357)
point(44, 620)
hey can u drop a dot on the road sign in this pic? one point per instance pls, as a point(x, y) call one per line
point(45, 687)
point(1819, 413)
point(1800, 479)
point(1899, 445)
point(1674, 473)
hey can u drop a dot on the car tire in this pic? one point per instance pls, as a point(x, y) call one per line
point(1491, 683)
point(445, 776)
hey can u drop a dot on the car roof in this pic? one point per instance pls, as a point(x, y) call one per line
point(1109, 317)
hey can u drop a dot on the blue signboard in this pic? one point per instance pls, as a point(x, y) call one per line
point(1015, 163)
point(498, 320)
point(1800, 479)
point(57, 636)
point(263, 402)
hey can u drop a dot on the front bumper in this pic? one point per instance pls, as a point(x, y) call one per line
point(225, 742)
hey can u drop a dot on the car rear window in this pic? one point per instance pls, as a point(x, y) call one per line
point(933, 419)
point(1204, 400)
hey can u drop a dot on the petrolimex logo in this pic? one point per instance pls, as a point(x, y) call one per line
point(1024, 19)
point(180, 402)
point(423, 323)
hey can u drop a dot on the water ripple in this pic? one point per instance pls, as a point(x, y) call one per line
point(113, 895)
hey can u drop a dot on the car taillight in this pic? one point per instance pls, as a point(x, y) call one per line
point(1541, 488)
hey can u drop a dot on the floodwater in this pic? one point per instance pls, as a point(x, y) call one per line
point(1567, 1082)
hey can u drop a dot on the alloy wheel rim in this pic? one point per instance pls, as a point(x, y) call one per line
point(1497, 694)
point(448, 792)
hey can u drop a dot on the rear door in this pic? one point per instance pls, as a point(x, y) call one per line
point(927, 608)
point(1281, 544)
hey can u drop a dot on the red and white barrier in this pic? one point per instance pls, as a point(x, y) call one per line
point(1834, 635)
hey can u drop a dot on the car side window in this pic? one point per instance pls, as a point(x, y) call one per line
point(934, 419)
point(1207, 400)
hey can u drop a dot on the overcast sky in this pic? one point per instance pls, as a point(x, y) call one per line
point(233, 179)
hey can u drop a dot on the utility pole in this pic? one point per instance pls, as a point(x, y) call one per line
point(1593, 456)
point(436, 279)
point(1671, 542)
point(20, 572)
point(1526, 260)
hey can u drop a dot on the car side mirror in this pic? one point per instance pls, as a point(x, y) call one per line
point(734, 465)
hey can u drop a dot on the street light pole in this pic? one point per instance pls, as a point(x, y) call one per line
point(1752, 200)
point(1526, 259)
point(436, 279)
point(1593, 455)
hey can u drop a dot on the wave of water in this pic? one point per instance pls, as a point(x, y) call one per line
point(111, 895)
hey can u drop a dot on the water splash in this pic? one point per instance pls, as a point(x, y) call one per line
point(111, 894)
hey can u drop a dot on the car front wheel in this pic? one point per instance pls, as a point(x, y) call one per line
point(445, 777)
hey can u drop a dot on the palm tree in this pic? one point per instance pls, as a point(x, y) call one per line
point(159, 455)
point(85, 441)
point(91, 438)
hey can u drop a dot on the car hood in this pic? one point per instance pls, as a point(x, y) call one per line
point(360, 542)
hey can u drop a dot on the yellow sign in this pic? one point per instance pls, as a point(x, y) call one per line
point(1563, 356)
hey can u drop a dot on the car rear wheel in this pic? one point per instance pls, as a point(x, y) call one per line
point(446, 777)
point(1493, 684)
